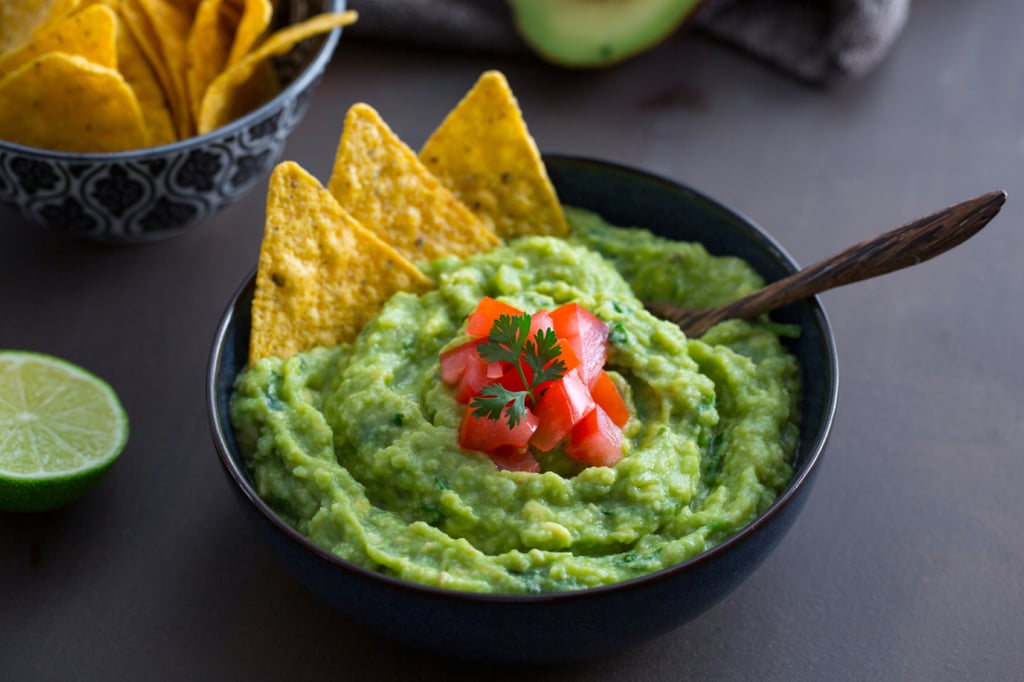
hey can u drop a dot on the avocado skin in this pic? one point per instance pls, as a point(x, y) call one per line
point(597, 33)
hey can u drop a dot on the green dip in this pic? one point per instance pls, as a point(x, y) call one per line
point(357, 446)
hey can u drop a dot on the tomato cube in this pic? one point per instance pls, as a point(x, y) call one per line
point(515, 459)
point(596, 440)
point(567, 354)
point(488, 435)
point(473, 378)
point(488, 310)
point(606, 394)
point(586, 334)
point(563, 406)
point(453, 361)
point(540, 321)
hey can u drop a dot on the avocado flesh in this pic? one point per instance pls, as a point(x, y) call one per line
point(592, 33)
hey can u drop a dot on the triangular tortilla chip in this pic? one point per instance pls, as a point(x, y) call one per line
point(232, 94)
point(20, 19)
point(384, 185)
point(91, 33)
point(137, 72)
point(207, 49)
point(321, 276)
point(171, 23)
point(483, 152)
point(96, 109)
point(254, 22)
point(146, 38)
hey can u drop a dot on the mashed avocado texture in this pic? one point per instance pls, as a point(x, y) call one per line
point(357, 446)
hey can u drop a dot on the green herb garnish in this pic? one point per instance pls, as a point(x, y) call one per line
point(509, 341)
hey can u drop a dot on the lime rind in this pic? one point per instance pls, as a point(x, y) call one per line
point(61, 429)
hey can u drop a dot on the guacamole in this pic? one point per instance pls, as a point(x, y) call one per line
point(357, 446)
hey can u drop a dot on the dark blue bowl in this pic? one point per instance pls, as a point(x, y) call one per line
point(146, 195)
point(590, 623)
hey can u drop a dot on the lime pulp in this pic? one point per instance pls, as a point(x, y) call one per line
point(61, 428)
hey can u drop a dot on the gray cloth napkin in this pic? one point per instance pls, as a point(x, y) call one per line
point(816, 41)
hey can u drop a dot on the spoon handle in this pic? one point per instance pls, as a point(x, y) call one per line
point(914, 242)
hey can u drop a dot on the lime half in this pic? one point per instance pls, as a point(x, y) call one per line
point(61, 428)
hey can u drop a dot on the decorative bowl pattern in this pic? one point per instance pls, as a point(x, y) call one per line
point(155, 193)
point(568, 626)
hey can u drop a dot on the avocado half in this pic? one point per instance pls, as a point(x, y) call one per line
point(593, 33)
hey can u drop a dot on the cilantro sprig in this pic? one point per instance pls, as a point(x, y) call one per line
point(509, 341)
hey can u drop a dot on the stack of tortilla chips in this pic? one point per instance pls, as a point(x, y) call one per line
point(114, 75)
point(331, 257)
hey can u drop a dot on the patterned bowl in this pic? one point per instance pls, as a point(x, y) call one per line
point(151, 194)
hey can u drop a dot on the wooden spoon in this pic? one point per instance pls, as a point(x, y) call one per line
point(913, 243)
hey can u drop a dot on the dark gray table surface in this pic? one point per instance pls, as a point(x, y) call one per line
point(907, 562)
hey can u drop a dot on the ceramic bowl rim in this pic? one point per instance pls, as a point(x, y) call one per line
point(815, 451)
point(310, 72)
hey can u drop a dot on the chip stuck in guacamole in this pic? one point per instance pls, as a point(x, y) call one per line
point(612, 447)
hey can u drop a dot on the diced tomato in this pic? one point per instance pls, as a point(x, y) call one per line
point(487, 435)
point(566, 320)
point(473, 378)
point(572, 319)
point(515, 459)
point(568, 355)
point(540, 320)
point(453, 361)
point(511, 380)
point(507, 376)
point(606, 394)
point(582, 408)
point(596, 440)
point(563, 406)
point(464, 367)
point(565, 353)
point(586, 334)
point(496, 370)
point(487, 311)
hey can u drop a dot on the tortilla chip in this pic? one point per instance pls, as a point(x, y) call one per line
point(233, 94)
point(225, 101)
point(254, 22)
point(141, 77)
point(67, 103)
point(171, 23)
point(483, 152)
point(21, 19)
point(206, 50)
point(146, 39)
point(321, 276)
point(90, 33)
point(380, 181)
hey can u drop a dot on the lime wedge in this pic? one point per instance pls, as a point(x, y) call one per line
point(61, 428)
